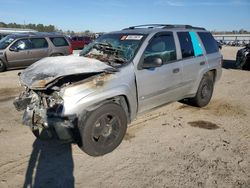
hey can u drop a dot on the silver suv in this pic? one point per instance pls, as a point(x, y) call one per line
point(89, 99)
point(21, 50)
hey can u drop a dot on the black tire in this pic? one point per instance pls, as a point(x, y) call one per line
point(55, 55)
point(103, 129)
point(2, 66)
point(204, 92)
point(246, 65)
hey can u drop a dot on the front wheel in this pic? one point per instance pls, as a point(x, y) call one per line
point(2, 66)
point(204, 92)
point(103, 129)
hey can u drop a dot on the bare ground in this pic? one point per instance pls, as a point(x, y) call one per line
point(173, 146)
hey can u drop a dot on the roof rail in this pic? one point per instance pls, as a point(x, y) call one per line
point(164, 26)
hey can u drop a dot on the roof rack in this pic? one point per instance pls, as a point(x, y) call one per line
point(38, 33)
point(164, 26)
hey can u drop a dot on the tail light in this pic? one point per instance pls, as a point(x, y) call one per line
point(221, 61)
point(70, 49)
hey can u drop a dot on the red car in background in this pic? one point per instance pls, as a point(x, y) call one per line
point(79, 42)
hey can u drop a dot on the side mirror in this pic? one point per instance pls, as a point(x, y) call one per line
point(14, 49)
point(152, 62)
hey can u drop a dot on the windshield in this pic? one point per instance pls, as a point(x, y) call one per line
point(114, 48)
point(6, 41)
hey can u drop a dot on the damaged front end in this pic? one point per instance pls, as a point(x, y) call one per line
point(43, 114)
point(45, 84)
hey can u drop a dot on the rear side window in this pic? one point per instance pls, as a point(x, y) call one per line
point(187, 49)
point(208, 42)
point(39, 43)
point(59, 41)
point(162, 46)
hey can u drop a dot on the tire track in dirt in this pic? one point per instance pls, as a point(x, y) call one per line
point(7, 94)
point(13, 166)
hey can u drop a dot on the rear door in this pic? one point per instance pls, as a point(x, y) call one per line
point(18, 54)
point(213, 56)
point(39, 48)
point(192, 58)
point(159, 85)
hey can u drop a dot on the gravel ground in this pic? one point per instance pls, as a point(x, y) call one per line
point(173, 146)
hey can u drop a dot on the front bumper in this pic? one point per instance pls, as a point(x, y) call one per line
point(37, 118)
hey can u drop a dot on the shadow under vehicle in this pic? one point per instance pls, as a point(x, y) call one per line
point(50, 165)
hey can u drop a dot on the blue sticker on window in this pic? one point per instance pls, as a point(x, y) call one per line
point(196, 45)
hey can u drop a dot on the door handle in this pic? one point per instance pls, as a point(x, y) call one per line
point(202, 63)
point(176, 70)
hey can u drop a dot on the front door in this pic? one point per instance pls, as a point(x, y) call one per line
point(18, 54)
point(159, 85)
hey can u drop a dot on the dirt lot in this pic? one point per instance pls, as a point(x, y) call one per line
point(174, 146)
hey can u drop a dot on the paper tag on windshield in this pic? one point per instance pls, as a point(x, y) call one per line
point(134, 37)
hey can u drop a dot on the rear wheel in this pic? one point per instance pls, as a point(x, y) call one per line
point(2, 66)
point(56, 54)
point(246, 66)
point(103, 129)
point(204, 92)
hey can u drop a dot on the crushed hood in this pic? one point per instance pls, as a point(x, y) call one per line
point(43, 72)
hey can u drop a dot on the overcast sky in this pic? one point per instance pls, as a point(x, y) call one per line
point(108, 15)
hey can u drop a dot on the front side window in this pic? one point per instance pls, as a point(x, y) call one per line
point(59, 41)
point(162, 47)
point(187, 49)
point(39, 43)
point(209, 42)
point(22, 44)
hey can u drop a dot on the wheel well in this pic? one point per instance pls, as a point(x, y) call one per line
point(123, 101)
point(213, 72)
point(120, 99)
point(56, 54)
point(4, 65)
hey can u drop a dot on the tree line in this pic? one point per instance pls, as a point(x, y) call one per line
point(38, 27)
point(45, 28)
point(52, 28)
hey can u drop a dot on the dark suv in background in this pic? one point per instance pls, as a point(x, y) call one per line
point(79, 42)
point(21, 50)
point(243, 58)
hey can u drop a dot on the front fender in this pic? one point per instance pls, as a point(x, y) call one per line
point(98, 96)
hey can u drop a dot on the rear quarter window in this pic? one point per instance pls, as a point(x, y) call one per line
point(209, 42)
point(59, 41)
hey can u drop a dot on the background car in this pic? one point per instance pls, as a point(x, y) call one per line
point(21, 50)
point(243, 58)
point(79, 42)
